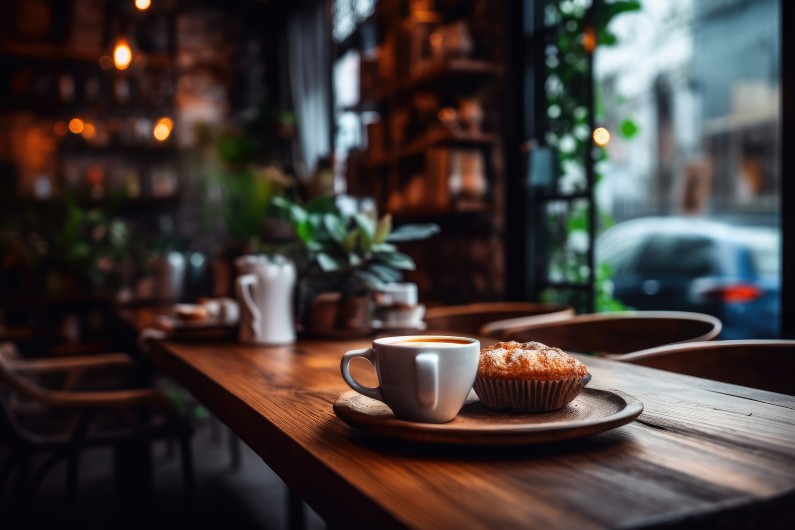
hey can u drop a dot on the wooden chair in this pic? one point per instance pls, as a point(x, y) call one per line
point(77, 420)
point(765, 364)
point(490, 318)
point(611, 334)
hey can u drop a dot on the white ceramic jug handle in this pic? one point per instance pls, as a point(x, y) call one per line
point(427, 372)
point(244, 286)
point(369, 354)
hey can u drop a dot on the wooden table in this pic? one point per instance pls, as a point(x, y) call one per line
point(702, 453)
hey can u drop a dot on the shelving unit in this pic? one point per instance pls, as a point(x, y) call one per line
point(443, 216)
point(71, 185)
point(63, 71)
point(433, 79)
point(460, 70)
point(420, 146)
point(57, 53)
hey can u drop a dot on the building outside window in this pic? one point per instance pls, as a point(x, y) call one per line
point(691, 93)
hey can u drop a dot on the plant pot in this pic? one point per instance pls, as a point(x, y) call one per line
point(353, 313)
point(223, 276)
point(332, 314)
point(321, 314)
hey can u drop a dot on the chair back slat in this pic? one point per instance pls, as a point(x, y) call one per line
point(619, 333)
point(484, 318)
point(765, 364)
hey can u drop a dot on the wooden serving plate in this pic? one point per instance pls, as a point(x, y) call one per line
point(593, 411)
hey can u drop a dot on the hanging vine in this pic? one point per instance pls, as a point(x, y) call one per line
point(581, 27)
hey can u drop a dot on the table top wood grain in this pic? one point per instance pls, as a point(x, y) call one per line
point(702, 453)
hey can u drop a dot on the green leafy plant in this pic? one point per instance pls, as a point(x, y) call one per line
point(568, 79)
point(61, 246)
point(240, 173)
point(247, 194)
point(350, 254)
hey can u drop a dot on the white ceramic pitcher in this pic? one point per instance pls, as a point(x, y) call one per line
point(264, 288)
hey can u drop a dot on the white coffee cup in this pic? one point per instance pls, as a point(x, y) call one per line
point(421, 378)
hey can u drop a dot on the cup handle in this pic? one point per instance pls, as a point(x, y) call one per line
point(366, 353)
point(427, 371)
point(244, 285)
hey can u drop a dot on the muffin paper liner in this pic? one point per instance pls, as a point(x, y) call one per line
point(528, 396)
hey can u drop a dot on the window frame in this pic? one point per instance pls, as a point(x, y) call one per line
point(524, 222)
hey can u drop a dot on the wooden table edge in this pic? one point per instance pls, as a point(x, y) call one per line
point(362, 512)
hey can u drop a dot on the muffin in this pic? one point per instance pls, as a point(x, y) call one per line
point(528, 377)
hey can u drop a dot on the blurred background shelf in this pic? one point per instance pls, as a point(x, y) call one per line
point(432, 139)
point(452, 213)
point(429, 85)
point(465, 72)
point(60, 54)
point(460, 71)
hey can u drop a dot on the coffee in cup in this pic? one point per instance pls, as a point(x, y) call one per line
point(421, 378)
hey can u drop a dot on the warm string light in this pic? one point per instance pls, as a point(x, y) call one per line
point(143, 5)
point(76, 125)
point(122, 54)
point(168, 122)
point(162, 129)
point(89, 131)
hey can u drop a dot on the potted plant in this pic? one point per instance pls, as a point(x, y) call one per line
point(342, 259)
point(242, 183)
point(60, 249)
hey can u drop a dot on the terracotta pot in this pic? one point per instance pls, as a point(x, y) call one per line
point(332, 313)
point(223, 276)
point(353, 313)
point(321, 315)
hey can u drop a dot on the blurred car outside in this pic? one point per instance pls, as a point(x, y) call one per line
point(691, 264)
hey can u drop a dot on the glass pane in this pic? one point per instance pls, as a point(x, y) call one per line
point(690, 93)
point(348, 126)
point(567, 226)
point(560, 158)
point(568, 76)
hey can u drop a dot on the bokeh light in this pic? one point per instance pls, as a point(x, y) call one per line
point(162, 129)
point(165, 120)
point(446, 114)
point(143, 5)
point(122, 55)
point(89, 131)
point(76, 125)
point(601, 136)
point(61, 128)
point(589, 39)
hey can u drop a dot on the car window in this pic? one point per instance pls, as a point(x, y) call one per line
point(679, 255)
point(620, 252)
point(764, 246)
point(619, 249)
point(767, 261)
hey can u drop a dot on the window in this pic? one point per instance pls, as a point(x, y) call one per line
point(683, 122)
point(686, 256)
